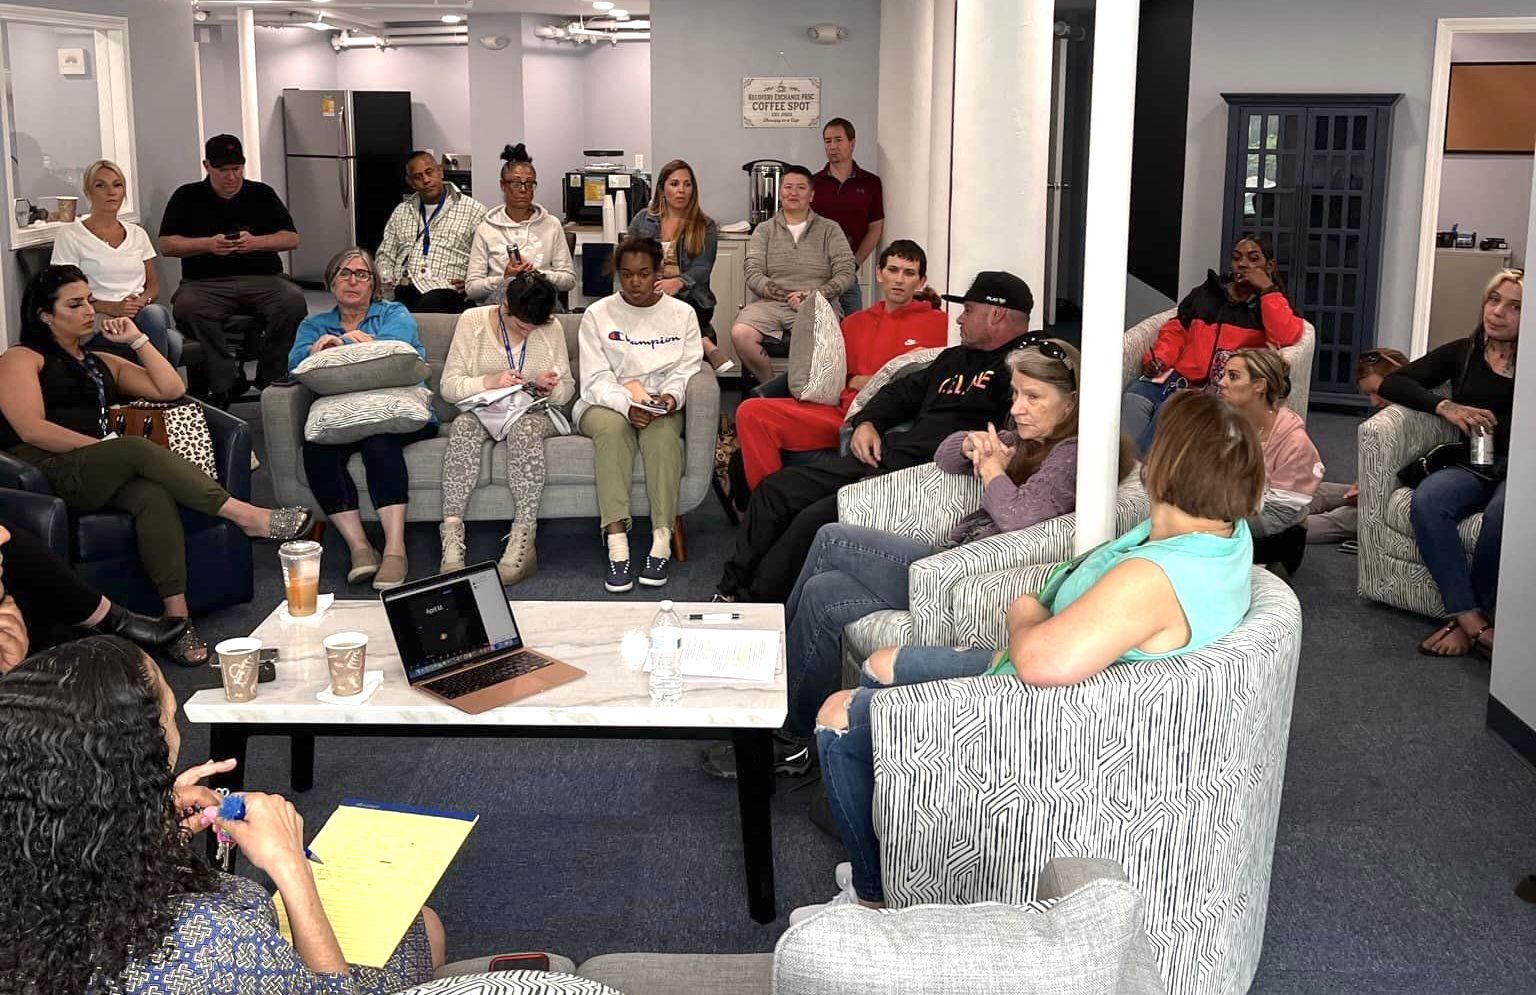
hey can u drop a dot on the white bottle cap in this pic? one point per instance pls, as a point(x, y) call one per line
point(666, 606)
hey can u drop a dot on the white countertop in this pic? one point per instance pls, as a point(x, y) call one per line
point(585, 634)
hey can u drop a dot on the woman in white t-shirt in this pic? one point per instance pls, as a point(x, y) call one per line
point(118, 260)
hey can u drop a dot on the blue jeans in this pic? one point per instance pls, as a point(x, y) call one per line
point(852, 299)
point(850, 572)
point(1439, 504)
point(1139, 406)
point(154, 320)
point(848, 758)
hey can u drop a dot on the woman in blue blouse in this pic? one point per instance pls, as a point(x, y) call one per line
point(1174, 584)
point(110, 892)
point(361, 315)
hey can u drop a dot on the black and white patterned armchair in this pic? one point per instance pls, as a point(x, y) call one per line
point(1391, 570)
point(1173, 768)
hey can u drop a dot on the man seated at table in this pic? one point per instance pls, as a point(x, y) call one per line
point(227, 231)
point(966, 388)
point(425, 251)
point(792, 255)
point(904, 320)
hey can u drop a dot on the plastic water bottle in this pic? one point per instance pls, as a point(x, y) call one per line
point(666, 655)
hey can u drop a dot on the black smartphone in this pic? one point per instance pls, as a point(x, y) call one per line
point(232, 232)
point(516, 254)
point(520, 962)
point(266, 665)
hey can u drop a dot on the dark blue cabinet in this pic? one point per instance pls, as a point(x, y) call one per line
point(1308, 171)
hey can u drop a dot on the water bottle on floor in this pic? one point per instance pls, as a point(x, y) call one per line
point(666, 655)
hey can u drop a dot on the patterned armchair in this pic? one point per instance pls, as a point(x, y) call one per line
point(1173, 768)
point(958, 596)
point(1390, 568)
point(1139, 338)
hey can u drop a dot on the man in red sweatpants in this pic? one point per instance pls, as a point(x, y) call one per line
point(770, 426)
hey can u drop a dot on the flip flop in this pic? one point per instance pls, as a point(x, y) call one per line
point(1424, 649)
point(1484, 650)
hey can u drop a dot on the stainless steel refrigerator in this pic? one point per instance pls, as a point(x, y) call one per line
point(345, 156)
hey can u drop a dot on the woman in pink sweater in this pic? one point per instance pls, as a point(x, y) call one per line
point(1256, 382)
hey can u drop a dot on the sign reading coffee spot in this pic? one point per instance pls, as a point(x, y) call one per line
point(780, 101)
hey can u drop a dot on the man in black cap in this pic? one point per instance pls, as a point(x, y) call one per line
point(228, 231)
point(966, 387)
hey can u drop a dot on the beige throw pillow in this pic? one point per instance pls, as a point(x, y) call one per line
point(818, 367)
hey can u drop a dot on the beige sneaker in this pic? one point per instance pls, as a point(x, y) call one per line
point(452, 535)
point(392, 572)
point(365, 563)
point(520, 558)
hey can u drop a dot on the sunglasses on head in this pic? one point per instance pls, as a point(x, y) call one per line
point(1054, 351)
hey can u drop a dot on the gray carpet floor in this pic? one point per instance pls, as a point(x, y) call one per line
point(1404, 828)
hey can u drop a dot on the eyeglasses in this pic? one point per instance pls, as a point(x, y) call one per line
point(1056, 352)
point(520, 184)
point(360, 275)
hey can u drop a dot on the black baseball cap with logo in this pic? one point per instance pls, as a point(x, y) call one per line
point(224, 150)
point(998, 287)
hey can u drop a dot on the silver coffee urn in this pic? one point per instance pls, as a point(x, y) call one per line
point(763, 177)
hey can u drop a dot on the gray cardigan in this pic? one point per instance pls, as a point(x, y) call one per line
point(695, 269)
point(778, 265)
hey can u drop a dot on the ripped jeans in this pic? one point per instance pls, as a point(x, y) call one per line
point(848, 757)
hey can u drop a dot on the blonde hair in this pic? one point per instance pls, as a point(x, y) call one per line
point(95, 168)
point(1269, 366)
point(1513, 274)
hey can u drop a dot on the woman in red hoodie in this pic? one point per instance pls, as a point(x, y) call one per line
point(1244, 310)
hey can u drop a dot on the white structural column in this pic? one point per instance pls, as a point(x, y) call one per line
point(1002, 133)
point(1110, 126)
point(250, 107)
point(917, 73)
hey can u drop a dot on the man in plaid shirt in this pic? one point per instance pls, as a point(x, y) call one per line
point(425, 251)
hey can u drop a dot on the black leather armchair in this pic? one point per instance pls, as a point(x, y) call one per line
point(104, 546)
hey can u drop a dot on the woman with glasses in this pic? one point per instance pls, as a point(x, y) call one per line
point(516, 342)
point(1256, 383)
point(1480, 370)
point(517, 237)
point(361, 315)
point(1244, 309)
point(1028, 475)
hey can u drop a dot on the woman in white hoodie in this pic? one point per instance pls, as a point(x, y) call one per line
point(639, 349)
point(519, 236)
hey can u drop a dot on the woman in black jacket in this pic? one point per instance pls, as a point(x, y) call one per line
point(1481, 372)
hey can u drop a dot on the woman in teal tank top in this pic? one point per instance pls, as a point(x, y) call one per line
point(1172, 585)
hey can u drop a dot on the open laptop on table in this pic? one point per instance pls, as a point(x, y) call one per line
point(459, 642)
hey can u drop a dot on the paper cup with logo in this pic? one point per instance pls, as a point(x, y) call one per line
point(239, 664)
point(345, 655)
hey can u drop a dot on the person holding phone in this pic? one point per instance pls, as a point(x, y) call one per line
point(227, 231)
point(517, 237)
point(116, 895)
point(639, 349)
point(1245, 309)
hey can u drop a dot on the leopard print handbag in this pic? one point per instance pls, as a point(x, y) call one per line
point(180, 426)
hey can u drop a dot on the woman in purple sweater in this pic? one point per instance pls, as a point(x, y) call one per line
point(1029, 475)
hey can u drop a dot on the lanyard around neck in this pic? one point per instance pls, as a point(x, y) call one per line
point(426, 222)
point(506, 345)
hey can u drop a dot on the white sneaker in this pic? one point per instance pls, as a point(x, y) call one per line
point(843, 875)
point(804, 912)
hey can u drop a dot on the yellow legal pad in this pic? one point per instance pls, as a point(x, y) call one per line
point(378, 863)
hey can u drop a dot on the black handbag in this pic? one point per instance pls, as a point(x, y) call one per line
point(1444, 456)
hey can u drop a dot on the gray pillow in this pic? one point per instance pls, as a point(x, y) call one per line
point(818, 366)
point(1090, 943)
point(343, 418)
point(357, 366)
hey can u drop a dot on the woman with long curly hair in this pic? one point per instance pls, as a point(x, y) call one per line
point(105, 891)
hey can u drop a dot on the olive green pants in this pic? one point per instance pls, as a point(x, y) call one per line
point(144, 480)
point(661, 449)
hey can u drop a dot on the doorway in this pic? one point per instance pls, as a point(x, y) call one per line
point(1067, 177)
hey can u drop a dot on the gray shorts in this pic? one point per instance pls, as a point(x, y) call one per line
point(772, 319)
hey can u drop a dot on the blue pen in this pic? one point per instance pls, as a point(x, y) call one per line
point(232, 809)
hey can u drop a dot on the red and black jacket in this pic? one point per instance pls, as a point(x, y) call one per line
point(1210, 326)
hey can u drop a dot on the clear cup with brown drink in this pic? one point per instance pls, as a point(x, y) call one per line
point(301, 576)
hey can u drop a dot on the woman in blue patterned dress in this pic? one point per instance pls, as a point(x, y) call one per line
point(108, 891)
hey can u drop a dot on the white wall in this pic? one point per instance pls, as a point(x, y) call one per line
point(554, 115)
point(55, 136)
point(496, 115)
point(437, 77)
point(617, 99)
point(1319, 45)
point(701, 49)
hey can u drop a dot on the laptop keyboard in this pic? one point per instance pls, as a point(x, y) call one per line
point(479, 678)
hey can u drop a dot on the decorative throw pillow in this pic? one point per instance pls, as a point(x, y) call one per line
point(512, 983)
point(343, 418)
point(359, 366)
point(818, 367)
point(899, 366)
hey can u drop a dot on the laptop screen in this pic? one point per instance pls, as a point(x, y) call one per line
point(443, 623)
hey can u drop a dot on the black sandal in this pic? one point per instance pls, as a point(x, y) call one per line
point(1482, 649)
point(188, 643)
point(289, 524)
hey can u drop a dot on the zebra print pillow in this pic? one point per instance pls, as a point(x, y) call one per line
point(818, 367)
point(344, 418)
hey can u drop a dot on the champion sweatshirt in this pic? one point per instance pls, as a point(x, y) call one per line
point(658, 345)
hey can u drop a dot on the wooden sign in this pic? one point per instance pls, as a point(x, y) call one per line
point(780, 101)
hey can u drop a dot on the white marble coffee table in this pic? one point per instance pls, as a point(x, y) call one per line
point(611, 701)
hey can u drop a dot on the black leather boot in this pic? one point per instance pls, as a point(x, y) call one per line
point(146, 631)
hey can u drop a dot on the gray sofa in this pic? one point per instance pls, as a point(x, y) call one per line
point(569, 489)
point(1083, 933)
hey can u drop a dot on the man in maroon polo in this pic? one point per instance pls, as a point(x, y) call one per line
point(851, 197)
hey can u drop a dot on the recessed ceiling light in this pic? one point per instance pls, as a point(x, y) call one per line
point(602, 4)
point(322, 1)
point(452, 18)
point(619, 14)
